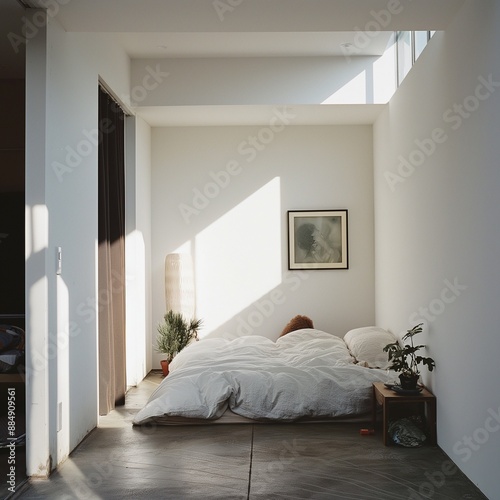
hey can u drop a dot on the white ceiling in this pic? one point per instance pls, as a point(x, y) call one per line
point(245, 44)
point(238, 28)
point(197, 28)
point(253, 16)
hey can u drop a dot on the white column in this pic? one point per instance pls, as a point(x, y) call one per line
point(38, 256)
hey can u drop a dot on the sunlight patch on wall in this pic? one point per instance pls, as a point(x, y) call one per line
point(384, 74)
point(375, 84)
point(37, 218)
point(135, 297)
point(59, 347)
point(185, 248)
point(238, 257)
point(353, 92)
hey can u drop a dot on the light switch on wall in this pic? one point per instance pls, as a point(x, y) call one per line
point(59, 260)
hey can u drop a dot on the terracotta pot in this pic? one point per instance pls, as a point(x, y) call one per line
point(164, 367)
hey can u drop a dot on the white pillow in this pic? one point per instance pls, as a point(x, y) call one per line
point(367, 344)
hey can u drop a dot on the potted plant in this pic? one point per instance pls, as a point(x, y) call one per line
point(405, 359)
point(174, 334)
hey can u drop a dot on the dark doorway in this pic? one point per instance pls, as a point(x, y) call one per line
point(111, 296)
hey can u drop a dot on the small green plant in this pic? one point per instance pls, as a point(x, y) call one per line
point(404, 357)
point(175, 333)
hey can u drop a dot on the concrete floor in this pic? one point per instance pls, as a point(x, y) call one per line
point(264, 461)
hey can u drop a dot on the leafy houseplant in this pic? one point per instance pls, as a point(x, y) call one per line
point(174, 334)
point(405, 359)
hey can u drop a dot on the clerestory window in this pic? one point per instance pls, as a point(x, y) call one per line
point(409, 46)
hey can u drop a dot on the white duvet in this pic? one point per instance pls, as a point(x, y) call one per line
point(305, 374)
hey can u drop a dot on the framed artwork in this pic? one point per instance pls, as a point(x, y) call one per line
point(317, 239)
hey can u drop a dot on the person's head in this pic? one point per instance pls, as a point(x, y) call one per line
point(305, 237)
point(298, 322)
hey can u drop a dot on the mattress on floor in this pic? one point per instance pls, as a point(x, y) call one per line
point(230, 417)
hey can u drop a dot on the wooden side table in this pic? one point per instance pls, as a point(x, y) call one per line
point(387, 398)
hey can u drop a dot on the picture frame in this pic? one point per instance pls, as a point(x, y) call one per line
point(318, 239)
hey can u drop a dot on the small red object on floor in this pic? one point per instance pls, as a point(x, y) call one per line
point(366, 432)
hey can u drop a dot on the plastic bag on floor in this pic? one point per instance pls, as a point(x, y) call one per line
point(406, 433)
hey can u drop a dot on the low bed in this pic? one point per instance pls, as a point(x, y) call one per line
point(306, 375)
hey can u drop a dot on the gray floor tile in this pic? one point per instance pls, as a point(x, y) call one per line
point(252, 462)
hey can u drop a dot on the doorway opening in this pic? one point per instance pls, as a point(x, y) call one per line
point(111, 254)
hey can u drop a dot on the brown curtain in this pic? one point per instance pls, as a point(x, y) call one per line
point(111, 296)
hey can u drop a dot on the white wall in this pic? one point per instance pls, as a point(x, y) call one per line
point(36, 230)
point(238, 240)
point(143, 227)
point(263, 80)
point(437, 239)
point(138, 250)
point(63, 71)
